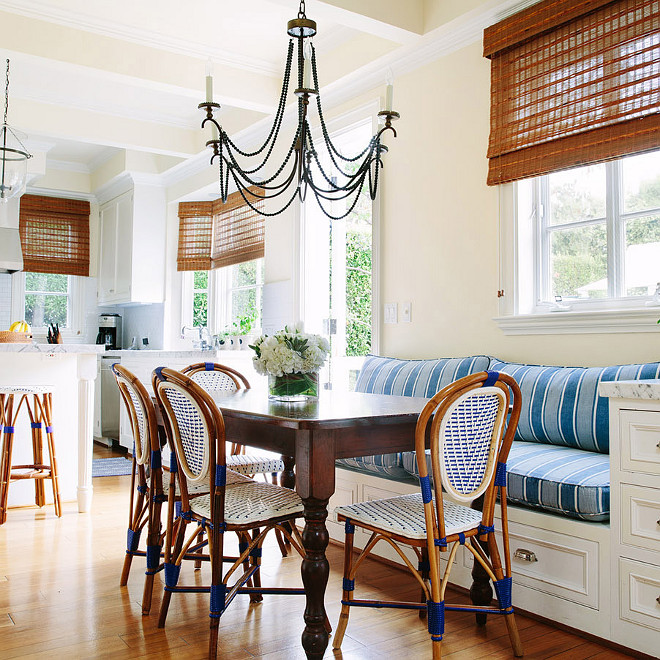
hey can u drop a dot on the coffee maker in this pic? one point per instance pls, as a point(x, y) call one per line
point(109, 332)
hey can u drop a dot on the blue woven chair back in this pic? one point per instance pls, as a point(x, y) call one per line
point(190, 430)
point(137, 414)
point(214, 380)
point(468, 442)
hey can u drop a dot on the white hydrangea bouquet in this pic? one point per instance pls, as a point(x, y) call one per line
point(291, 359)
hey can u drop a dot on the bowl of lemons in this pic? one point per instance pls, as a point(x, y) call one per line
point(19, 333)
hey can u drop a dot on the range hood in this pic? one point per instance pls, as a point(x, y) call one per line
point(11, 255)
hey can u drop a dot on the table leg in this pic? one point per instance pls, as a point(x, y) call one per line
point(288, 476)
point(315, 571)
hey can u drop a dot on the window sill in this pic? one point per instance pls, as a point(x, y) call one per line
point(568, 322)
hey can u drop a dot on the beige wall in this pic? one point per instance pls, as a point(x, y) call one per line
point(440, 230)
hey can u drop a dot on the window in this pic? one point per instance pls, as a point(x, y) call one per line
point(598, 231)
point(226, 299)
point(44, 298)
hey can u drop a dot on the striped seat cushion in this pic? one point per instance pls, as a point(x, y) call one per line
point(561, 406)
point(384, 375)
point(563, 480)
point(424, 378)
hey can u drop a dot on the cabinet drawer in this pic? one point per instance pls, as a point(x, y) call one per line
point(640, 516)
point(640, 591)
point(640, 441)
point(554, 563)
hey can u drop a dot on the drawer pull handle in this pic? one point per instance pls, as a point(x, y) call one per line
point(525, 555)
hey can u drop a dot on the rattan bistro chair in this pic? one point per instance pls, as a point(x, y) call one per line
point(196, 433)
point(146, 481)
point(466, 424)
point(213, 376)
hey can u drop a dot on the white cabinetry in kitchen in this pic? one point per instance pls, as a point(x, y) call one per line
point(132, 250)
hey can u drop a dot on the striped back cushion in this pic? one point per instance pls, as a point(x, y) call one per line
point(561, 406)
point(384, 375)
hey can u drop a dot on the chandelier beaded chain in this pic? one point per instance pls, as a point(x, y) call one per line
point(332, 177)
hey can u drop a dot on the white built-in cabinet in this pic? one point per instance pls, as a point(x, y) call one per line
point(132, 247)
point(635, 514)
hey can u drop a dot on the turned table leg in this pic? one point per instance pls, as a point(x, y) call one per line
point(315, 571)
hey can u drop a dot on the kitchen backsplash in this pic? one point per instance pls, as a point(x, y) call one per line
point(143, 321)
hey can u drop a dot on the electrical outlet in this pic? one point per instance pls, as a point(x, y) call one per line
point(406, 312)
point(390, 313)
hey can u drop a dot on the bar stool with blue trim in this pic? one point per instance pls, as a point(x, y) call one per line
point(40, 411)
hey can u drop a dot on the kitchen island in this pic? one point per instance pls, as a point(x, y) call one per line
point(70, 369)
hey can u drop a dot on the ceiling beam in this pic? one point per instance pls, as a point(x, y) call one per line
point(394, 20)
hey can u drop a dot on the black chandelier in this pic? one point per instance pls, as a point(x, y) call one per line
point(257, 179)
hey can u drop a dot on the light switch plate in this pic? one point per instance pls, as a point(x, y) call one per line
point(406, 312)
point(390, 313)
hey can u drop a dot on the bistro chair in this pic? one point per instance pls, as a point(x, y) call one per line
point(212, 376)
point(150, 484)
point(196, 432)
point(38, 401)
point(466, 426)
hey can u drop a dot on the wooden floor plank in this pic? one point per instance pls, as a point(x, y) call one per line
point(60, 598)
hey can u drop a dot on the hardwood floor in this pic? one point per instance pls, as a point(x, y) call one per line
point(59, 598)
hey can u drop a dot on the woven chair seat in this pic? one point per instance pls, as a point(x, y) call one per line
point(233, 478)
point(404, 516)
point(254, 464)
point(252, 503)
point(26, 389)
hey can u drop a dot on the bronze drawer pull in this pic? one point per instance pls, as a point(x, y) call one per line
point(525, 555)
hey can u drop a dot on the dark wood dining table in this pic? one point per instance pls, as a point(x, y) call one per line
point(310, 436)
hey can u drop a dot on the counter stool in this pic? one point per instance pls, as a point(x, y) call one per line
point(40, 412)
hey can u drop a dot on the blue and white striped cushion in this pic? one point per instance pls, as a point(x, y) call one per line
point(383, 465)
point(384, 375)
point(561, 406)
point(571, 482)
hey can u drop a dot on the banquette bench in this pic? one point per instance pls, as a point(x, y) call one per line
point(558, 477)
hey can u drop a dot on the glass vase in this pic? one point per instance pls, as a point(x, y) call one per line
point(294, 387)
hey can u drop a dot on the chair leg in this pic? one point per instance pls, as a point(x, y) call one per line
point(37, 449)
point(171, 572)
point(126, 569)
point(7, 442)
point(514, 635)
point(424, 570)
point(255, 560)
point(198, 562)
point(348, 586)
point(281, 542)
point(48, 411)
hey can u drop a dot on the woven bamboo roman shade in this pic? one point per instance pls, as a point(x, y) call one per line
point(573, 82)
point(238, 232)
point(54, 235)
point(213, 234)
point(195, 232)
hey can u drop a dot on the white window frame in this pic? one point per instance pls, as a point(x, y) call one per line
point(522, 238)
point(219, 299)
point(338, 126)
point(75, 307)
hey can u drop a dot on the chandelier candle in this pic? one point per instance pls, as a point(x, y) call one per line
point(257, 175)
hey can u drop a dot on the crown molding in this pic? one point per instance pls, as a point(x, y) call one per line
point(108, 28)
point(67, 194)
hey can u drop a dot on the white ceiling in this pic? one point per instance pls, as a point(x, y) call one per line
point(90, 78)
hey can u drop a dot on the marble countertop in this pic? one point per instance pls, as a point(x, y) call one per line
point(51, 348)
point(630, 389)
point(201, 355)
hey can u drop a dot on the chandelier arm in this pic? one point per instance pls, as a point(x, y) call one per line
point(279, 115)
point(232, 161)
point(331, 147)
point(260, 211)
point(332, 195)
point(237, 174)
point(336, 217)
